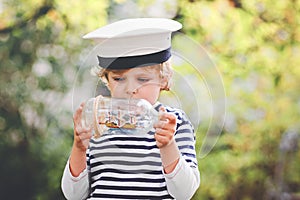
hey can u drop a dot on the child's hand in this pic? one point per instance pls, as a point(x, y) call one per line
point(82, 135)
point(165, 128)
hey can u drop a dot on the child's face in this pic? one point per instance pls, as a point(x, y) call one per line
point(141, 82)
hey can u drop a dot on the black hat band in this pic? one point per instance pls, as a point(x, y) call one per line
point(134, 61)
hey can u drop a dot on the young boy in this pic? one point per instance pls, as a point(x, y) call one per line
point(161, 164)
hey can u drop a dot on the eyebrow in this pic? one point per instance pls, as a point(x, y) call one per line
point(142, 73)
point(118, 72)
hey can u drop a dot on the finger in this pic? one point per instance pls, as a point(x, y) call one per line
point(82, 143)
point(85, 136)
point(160, 124)
point(78, 113)
point(161, 111)
point(80, 130)
point(159, 145)
point(166, 125)
point(164, 133)
point(82, 140)
point(162, 139)
point(77, 116)
point(169, 117)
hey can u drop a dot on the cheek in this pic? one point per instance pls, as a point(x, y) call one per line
point(113, 86)
point(151, 94)
point(116, 89)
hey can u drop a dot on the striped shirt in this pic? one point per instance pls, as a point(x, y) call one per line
point(128, 166)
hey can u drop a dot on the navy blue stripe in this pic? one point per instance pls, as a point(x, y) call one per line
point(131, 188)
point(190, 162)
point(128, 196)
point(125, 163)
point(125, 171)
point(135, 155)
point(186, 147)
point(184, 123)
point(141, 180)
point(189, 155)
point(123, 146)
point(184, 139)
point(185, 131)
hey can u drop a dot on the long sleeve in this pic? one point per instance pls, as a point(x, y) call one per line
point(74, 188)
point(183, 182)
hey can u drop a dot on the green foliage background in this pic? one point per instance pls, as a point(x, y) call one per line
point(255, 45)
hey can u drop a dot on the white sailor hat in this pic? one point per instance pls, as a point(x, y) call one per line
point(134, 42)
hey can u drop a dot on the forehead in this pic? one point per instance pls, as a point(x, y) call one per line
point(147, 69)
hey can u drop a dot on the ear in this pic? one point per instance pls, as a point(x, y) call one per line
point(164, 83)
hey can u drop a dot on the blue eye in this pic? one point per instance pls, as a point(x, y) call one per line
point(118, 79)
point(143, 79)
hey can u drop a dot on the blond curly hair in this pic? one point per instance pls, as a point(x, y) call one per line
point(165, 71)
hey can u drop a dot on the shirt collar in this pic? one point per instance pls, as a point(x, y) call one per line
point(157, 105)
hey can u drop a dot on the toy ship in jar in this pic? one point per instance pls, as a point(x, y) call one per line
point(104, 114)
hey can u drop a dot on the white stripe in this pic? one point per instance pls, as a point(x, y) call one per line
point(131, 192)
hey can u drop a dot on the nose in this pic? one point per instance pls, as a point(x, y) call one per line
point(131, 93)
point(131, 88)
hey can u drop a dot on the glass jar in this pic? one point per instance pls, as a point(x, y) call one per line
point(109, 115)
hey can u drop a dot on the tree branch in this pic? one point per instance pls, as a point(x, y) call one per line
point(43, 10)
